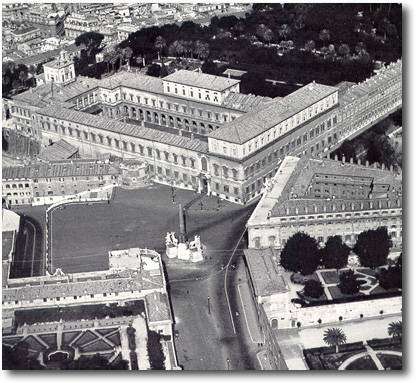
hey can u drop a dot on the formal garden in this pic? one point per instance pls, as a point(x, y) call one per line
point(85, 349)
point(337, 273)
point(373, 354)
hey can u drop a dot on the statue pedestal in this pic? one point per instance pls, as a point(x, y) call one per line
point(191, 251)
point(171, 251)
point(196, 255)
point(183, 252)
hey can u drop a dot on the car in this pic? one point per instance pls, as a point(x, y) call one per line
point(176, 333)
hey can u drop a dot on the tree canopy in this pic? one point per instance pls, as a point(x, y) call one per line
point(349, 283)
point(334, 337)
point(335, 253)
point(373, 247)
point(313, 288)
point(300, 254)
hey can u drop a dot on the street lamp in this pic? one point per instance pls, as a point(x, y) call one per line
point(209, 305)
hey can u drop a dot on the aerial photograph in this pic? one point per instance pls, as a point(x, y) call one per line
point(201, 186)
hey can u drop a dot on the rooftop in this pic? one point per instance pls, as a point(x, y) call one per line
point(256, 122)
point(60, 150)
point(22, 31)
point(264, 272)
point(6, 244)
point(132, 80)
point(10, 220)
point(81, 284)
point(70, 168)
point(245, 102)
point(201, 80)
point(292, 191)
point(158, 308)
point(103, 123)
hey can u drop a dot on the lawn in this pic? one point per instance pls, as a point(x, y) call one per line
point(364, 363)
point(390, 362)
point(330, 277)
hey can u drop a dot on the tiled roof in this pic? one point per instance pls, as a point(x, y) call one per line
point(201, 80)
point(254, 123)
point(133, 80)
point(158, 308)
point(103, 123)
point(22, 31)
point(69, 168)
point(60, 150)
point(356, 91)
point(245, 102)
point(45, 94)
point(295, 199)
point(45, 56)
point(106, 282)
point(264, 273)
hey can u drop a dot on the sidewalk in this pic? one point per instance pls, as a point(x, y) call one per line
point(250, 312)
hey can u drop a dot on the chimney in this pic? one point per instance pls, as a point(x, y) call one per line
point(367, 164)
point(336, 157)
point(351, 160)
point(343, 159)
point(383, 166)
point(359, 161)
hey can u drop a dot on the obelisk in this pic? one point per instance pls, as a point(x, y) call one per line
point(182, 225)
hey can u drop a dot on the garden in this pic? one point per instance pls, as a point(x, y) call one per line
point(336, 273)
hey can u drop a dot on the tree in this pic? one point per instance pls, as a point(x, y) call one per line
point(201, 50)
point(310, 46)
point(313, 288)
point(324, 35)
point(176, 48)
point(390, 278)
point(91, 41)
point(18, 358)
point(268, 35)
point(128, 53)
point(300, 254)
point(334, 337)
point(23, 77)
point(349, 284)
point(154, 70)
point(373, 247)
point(395, 330)
point(335, 253)
point(160, 44)
point(284, 31)
point(209, 67)
point(344, 50)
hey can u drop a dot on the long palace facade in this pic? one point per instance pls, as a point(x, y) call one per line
point(197, 131)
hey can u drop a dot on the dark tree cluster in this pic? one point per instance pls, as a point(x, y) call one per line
point(313, 289)
point(349, 283)
point(335, 253)
point(18, 358)
point(302, 254)
point(16, 78)
point(155, 351)
point(391, 277)
point(373, 247)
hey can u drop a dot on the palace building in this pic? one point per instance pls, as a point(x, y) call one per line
point(323, 198)
point(197, 131)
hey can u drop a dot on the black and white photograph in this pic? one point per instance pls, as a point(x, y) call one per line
point(206, 187)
